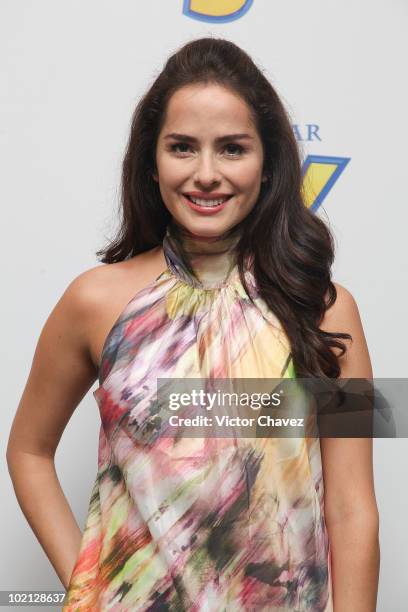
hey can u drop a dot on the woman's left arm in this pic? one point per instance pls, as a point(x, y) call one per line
point(350, 505)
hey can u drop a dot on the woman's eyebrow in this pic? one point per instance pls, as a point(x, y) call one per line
point(220, 139)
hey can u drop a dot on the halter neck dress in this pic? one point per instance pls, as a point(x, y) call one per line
point(202, 525)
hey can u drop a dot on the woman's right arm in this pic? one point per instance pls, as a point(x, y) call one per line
point(61, 373)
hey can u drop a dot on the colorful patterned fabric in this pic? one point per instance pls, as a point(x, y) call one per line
point(205, 524)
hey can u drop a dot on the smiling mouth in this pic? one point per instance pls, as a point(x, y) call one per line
point(207, 203)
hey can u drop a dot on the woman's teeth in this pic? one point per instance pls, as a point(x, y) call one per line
point(207, 203)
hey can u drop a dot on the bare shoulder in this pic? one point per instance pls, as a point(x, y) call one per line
point(96, 287)
point(89, 288)
point(97, 296)
point(344, 311)
point(344, 317)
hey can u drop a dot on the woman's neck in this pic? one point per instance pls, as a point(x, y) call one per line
point(209, 260)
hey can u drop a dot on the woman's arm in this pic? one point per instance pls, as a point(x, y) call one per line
point(61, 374)
point(350, 506)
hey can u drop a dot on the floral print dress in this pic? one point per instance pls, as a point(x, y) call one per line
point(203, 524)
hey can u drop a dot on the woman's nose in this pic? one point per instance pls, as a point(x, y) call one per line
point(207, 171)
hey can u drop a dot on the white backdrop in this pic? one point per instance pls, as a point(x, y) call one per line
point(72, 73)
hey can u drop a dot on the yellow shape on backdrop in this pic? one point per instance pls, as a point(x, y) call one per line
point(316, 178)
point(216, 8)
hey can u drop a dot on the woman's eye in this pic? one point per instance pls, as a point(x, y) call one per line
point(179, 144)
point(236, 148)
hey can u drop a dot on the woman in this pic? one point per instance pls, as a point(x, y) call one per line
point(219, 270)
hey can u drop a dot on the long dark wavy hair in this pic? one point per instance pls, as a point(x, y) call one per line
point(293, 250)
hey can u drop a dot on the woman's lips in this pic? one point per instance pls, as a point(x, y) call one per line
point(206, 210)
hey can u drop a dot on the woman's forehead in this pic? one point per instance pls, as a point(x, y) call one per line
point(191, 107)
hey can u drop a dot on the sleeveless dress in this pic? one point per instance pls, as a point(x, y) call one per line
point(198, 525)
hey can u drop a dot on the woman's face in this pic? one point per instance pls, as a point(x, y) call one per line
point(208, 150)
